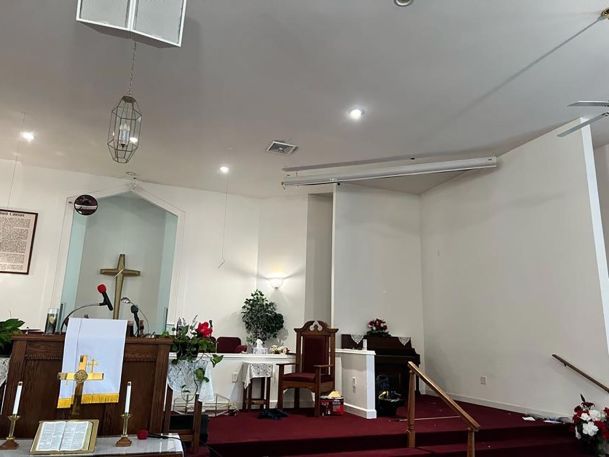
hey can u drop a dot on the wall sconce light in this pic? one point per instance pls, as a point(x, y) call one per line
point(276, 282)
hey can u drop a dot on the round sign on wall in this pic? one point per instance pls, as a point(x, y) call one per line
point(85, 205)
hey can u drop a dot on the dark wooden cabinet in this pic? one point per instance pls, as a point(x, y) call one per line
point(36, 360)
point(391, 360)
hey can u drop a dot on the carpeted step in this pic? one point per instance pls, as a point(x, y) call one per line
point(515, 447)
point(400, 452)
point(539, 430)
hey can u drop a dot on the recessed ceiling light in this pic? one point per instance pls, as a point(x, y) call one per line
point(356, 114)
point(224, 169)
point(27, 136)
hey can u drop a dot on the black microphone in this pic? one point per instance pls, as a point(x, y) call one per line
point(102, 290)
point(134, 310)
point(136, 318)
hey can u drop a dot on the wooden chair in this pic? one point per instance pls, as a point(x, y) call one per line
point(190, 433)
point(314, 367)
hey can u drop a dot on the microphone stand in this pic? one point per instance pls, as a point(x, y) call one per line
point(65, 321)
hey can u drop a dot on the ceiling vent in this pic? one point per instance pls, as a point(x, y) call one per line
point(281, 147)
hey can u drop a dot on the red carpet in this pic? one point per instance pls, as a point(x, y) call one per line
point(503, 433)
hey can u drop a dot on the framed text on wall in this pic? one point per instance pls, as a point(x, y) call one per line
point(17, 230)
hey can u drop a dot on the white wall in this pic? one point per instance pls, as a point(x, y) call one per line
point(283, 251)
point(601, 157)
point(514, 270)
point(318, 282)
point(377, 261)
point(204, 288)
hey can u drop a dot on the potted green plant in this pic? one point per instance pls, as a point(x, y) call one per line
point(261, 319)
point(8, 328)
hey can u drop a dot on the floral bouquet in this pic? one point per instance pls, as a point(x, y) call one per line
point(279, 349)
point(191, 340)
point(591, 426)
point(377, 327)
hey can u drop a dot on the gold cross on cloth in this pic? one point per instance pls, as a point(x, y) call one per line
point(80, 376)
point(119, 273)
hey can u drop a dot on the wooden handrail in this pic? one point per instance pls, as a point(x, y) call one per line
point(472, 425)
point(581, 373)
point(452, 404)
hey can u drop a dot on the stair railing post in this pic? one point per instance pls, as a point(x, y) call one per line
point(411, 408)
point(471, 442)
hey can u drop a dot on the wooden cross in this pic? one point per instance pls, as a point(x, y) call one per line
point(80, 376)
point(119, 273)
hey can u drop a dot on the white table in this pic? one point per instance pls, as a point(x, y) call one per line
point(152, 447)
point(250, 370)
point(227, 374)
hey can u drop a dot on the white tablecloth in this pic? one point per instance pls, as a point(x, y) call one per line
point(251, 370)
point(181, 376)
point(105, 446)
point(3, 370)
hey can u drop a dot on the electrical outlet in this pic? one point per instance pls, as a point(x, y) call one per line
point(483, 380)
point(235, 374)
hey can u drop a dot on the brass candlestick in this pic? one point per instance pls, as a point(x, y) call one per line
point(10, 442)
point(124, 440)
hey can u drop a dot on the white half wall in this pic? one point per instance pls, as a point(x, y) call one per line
point(355, 379)
point(377, 261)
point(514, 270)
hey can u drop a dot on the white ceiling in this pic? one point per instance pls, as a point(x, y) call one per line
point(434, 78)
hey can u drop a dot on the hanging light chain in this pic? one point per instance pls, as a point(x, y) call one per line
point(10, 189)
point(132, 68)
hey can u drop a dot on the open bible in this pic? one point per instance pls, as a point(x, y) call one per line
point(65, 437)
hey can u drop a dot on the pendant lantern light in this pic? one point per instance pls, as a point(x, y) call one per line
point(125, 124)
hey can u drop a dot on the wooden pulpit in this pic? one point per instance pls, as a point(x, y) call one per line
point(36, 360)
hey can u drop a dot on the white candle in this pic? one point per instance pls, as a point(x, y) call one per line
point(17, 398)
point(365, 344)
point(128, 398)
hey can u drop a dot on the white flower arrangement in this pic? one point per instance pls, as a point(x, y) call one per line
point(279, 349)
point(592, 426)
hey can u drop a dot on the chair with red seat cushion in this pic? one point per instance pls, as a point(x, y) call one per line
point(314, 367)
point(230, 345)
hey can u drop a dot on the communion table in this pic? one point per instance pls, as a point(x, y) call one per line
point(152, 447)
point(36, 360)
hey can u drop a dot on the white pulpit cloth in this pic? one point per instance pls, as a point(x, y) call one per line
point(102, 341)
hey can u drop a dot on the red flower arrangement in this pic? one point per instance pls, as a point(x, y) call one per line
point(190, 341)
point(377, 327)
point(205, 329)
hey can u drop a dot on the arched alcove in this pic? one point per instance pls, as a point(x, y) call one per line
point(129, 221)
